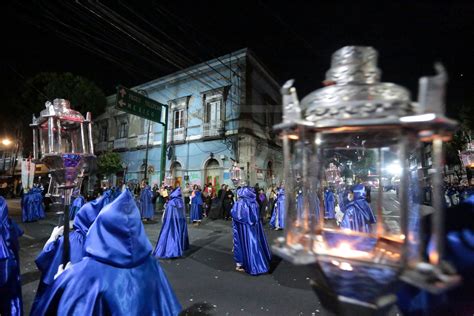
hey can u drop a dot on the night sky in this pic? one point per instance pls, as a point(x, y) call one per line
point(293, 39)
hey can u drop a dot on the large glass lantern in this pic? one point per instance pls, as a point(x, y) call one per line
point(352, 197)
point(62, 140)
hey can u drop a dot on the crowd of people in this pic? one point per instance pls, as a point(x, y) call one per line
point(109, 249)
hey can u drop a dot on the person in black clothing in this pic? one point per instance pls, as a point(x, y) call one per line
point(228, 202)
point(217, 204)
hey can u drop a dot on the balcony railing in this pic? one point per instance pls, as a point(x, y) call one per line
point(178, 134)
point(141, 140)
point(102, 146)
point(121, 143)
point(212, 128)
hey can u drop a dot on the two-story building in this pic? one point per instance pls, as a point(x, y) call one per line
point(220, 112)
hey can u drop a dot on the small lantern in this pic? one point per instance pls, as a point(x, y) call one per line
point(235, 174)
point(338, 146)
point(62, 140)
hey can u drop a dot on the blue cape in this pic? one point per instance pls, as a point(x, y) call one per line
point(278, 216)
point(251, 250)
point(173, 239)
point(10, 284)
point(245, 209)
point(358, 215)
point(51, 256)
point(118, 276)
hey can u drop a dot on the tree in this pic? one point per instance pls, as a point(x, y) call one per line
point(109, 163)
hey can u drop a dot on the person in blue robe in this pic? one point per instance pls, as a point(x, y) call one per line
point(77, 202)
point(10, 284)
point(196, 205)
point(51, 256)
point(277, 221)
point(313, 205)
point(173, 239)
point(251, 252)
point(329, 204)
point(146, 206)
point(459, 252)
point(118, 275)
point(32, 205)
point(358, 215)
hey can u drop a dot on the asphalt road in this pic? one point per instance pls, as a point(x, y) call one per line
point(390, 210)
point(205, 280)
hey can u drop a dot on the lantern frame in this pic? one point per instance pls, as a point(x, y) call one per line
point(355, 101)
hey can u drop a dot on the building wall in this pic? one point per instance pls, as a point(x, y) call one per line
point(200, 148)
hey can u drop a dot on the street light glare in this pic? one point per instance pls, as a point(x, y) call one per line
point(6, 142)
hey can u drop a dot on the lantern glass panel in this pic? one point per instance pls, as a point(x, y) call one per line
point(72, 138)
point(359, 181)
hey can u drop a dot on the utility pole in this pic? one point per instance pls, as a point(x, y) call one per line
point(145, 174)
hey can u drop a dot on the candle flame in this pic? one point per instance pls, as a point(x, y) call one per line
point(346, 266)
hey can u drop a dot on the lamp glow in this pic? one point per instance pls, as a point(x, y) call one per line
point(418, 118)
point(6, 142)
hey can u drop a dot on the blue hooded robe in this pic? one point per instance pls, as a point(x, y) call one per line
point(278, 216)
point(251, 250)
point(329, 204)
point(51, 256)
point(118, 276)
point(358, 215)
point(313, 205)
point(10, 284)
point(76, 205)
point(196, 207)
point(146, 206)
point(173, 239)
point(32, 205)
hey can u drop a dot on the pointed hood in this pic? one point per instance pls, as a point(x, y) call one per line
point(117, 237)
point(176, 193)
point(88, 213)
point(246, 193)
point(246, 209)
point(359, 192)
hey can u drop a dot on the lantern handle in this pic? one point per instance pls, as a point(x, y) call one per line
point(291, 104)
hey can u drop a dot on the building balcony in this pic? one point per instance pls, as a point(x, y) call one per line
point(141, 140)
point(212, 129)
point(121, 143)
point(178, 134)
point(101, 147)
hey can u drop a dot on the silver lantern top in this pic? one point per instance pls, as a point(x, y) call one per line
point(354, 91)
point(60, 108)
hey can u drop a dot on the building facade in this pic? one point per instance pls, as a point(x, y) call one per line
point(220, 115)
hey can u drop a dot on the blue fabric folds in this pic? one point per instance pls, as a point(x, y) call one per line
point(10, 284)
point(358, 215)
point(329, 204)
point(278, 216)
point(313, 202)
point(51, 256)
point(32, 206)
point(196, 207)
point(173, 239)
point(76, 205)
point(146, 206)
point(118, 276)
point(251, 250)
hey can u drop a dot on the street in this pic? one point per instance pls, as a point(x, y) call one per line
point(205, 280)
point(390, 210)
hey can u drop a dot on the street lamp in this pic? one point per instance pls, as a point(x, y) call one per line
point(6, 142)
point(62, 140)
point(358, 264)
